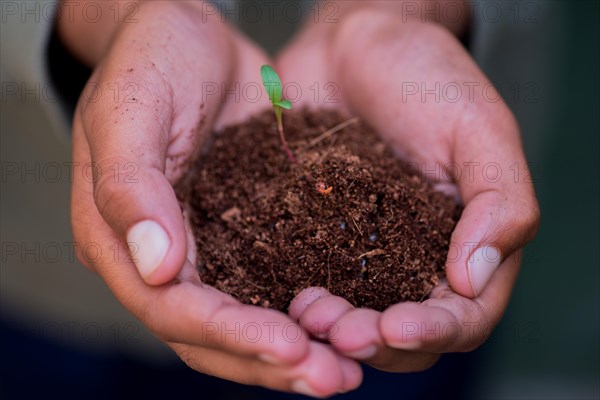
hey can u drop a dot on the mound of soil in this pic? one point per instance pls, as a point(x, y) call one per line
point(348, 216)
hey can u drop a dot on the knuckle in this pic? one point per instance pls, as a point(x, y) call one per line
point(83, 260)
point(81, 242)
point(534, 220)
point(187, 356)
point(109, 190)
point(188, 359)
point(148, 312)
point(520, 223)
point(528, 220)
point(481, 322)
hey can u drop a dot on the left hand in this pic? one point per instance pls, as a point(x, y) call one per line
point(373, 57)
point(140, 147)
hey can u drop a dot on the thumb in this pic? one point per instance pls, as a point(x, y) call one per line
point(128, 144)
point(501, 212)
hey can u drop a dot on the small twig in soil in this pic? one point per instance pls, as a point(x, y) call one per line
point(351, 183)
point(275, 279)
point(372, 253)
point(377, 274)
point(353, 220)
point(331, 131)
point(232, 271)
point(255, 285)
point(387, 221)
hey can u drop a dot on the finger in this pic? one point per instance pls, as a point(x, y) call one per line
point(351, 373)
point(449, 322)
point(415, 326)
point(501, 214)
point(184, 311)
point(320, 315)
point(392, 360)
point(187, 313)
point(129, 186)
point(142, 124)
point(356, 335)
point(304, 299)
point(321, 373)
point(355, 332)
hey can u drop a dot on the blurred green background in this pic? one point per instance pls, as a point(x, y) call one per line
point(548, 343)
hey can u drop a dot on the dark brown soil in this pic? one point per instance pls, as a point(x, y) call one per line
point(349, 216)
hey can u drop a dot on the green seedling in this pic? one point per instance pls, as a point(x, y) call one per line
point(274, 90)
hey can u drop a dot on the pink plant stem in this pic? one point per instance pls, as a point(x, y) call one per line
point(284, 142)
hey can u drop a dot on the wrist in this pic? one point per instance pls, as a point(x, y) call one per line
point(87, 27)
point(453, 16)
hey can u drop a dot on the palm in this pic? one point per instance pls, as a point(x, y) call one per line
point(381, 68)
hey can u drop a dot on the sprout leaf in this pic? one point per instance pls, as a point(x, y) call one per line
point(272, 83)
point(285, 104)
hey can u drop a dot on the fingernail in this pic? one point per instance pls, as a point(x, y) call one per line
point(481, 265)
point(302, 387)
point(363, 354)
point(321, 335)
point(151, 244)
point(269, 359)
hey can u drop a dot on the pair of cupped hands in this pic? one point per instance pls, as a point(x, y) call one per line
point(140, 148)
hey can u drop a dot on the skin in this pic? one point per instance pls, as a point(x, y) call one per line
point(371, 52)
point(159, 131)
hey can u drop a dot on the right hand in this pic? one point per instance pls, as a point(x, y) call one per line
point(371, 54)
point(140, 149)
